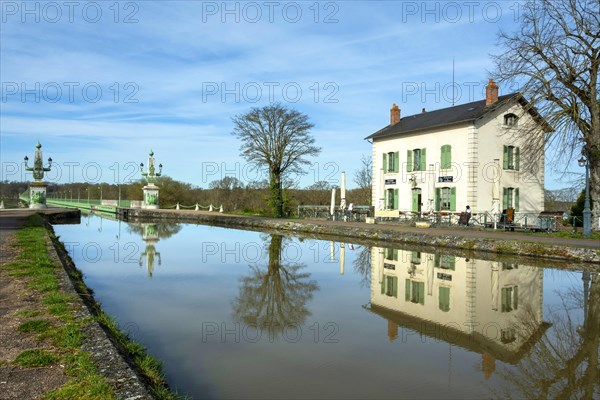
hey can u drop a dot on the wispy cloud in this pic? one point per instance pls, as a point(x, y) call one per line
point(172, 80)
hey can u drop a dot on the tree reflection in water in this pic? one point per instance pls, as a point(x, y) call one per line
point(564, 364)
point(362, 265)
point(275, 298)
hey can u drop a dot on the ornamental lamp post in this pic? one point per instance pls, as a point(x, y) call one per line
point(38, 188)
point(151, 191)
point(587, 213)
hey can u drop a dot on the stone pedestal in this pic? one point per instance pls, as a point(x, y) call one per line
point(37, 195)
point(151, 197)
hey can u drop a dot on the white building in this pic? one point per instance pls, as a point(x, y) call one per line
point(472, 154)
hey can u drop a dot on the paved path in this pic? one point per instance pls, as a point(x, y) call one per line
point(437, 231)
point(12, 219)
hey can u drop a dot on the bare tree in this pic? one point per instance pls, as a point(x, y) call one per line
point(363, 177)
point(226, 183)
point(279, 139)
point(555, 57)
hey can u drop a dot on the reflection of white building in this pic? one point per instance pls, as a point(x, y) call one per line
point(476, 304)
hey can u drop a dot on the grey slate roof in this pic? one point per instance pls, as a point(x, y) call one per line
point(448, 116)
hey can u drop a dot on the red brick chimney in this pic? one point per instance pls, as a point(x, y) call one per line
point(394, 114)
point(491, 93)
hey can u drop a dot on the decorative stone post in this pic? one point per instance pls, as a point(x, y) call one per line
point(151, 190)
point(37, 188)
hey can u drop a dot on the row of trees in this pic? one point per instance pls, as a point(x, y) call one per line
point(230, 192)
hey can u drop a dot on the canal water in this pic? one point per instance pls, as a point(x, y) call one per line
point(243, 314)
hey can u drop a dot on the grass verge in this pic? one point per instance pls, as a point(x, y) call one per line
point(35, 266)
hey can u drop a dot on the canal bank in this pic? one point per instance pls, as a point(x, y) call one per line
point(54, 333)
point(536, 247)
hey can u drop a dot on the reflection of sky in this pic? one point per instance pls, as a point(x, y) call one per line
point(192, 292)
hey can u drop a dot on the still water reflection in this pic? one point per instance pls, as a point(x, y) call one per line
point(241, 314)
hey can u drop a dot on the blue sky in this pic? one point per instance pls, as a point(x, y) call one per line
point(102, 83)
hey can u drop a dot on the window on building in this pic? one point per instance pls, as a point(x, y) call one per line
point(510, 298)
point(414, 292)
point(508, 266)
point(391, 162)
point(416, 160)
point(510, 198)
point(444, 298)
point(391, 199)
point(445, 199)
point(508, 335)
point(415, 257)
point(391, 254)
point(511, 158)
point(510, 120)
point(445, 261)
point(446, 156)
point(391, 286)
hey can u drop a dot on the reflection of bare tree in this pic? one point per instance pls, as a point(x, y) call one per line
point(276, 298)
point(362, 265)
point(564, 364)
point(162, 230)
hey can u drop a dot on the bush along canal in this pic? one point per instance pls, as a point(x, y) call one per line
point(57, 341)
point(261, 314)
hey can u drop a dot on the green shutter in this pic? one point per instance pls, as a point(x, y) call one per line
point(415, 198)
point(421, 286)
point(385, 199)
point(444, 299)
point(505, 158)
point(409, 166)
point(383, 284)
point(451, 262)
point(384, 163)
point(453, 199)
point(407, 290)
point(516, 202)
point(397, 161)
point(446, 160)
point(395, 199)
point(515, 297)
point(504, 198)
point(443, 157)
point(423, 160)
point(516, 161)
point(395, 286)
point(437, 199)
point(395, 254)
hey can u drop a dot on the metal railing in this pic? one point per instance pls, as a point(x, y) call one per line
point(484, 220)
point(358, 213)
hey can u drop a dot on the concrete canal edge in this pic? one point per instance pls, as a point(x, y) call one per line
point(480, 245)
point(111, 360)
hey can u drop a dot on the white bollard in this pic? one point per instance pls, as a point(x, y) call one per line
point(210, 208)
point(221, 208)
point(2, 205)
point(197, 208)
point(177, 207)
